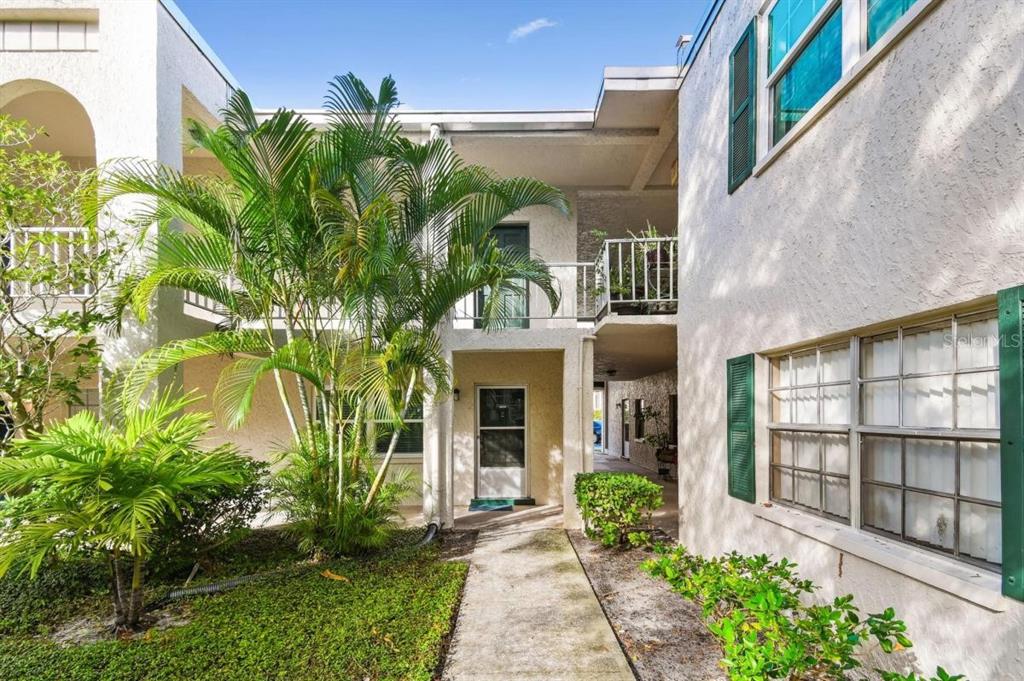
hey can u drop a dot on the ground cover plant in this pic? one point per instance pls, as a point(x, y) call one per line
point(617, 507)
point(760, 611)
point(380, 618)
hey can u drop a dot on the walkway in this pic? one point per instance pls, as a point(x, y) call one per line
point(528, 611)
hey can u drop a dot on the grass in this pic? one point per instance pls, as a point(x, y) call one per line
point(387, 619)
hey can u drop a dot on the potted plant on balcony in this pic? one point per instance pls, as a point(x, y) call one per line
point(641, 285)
point(660, 441)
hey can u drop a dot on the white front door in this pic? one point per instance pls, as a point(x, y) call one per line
point(501, 442)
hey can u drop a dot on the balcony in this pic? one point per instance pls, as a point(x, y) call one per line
point(629, 277)
point(61, 245)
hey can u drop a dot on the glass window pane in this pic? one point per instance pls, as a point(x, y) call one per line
point(502, 449)
point(805, 368)
point(981, 529)
point(837, 496)
point(931, 464)
point(805, 405)
point(787, 20)
point(837, 453)
point(835, 364)
point(977, 343)
point(881, 508)
point(502, 407)
point(977, 400)
point(806, 450)
point(882, 459)
point(809, 76)
point(930, 520)
point(928, 402)
point(979, 470)
point(835, 404)
point(782, 448)
point(880, 356)
point(928, 350)
point(782, 484)
point(782, 406)
point(882, 14)
point(880, 405)
point(808, 489)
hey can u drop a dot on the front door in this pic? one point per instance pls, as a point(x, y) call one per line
point(501, 442)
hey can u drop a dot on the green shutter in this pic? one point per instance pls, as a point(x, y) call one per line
point(740, 396)
point(1011, 406)
point(742, 98)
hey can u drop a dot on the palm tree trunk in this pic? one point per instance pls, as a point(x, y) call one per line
point(135, 607)
point(382, 471)
point(286, 403)
point(117, 590)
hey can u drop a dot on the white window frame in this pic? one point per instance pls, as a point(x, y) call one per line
point(857, 430)
point(857, 60)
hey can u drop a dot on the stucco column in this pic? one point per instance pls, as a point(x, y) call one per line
point(577, 454)
point(437, 431)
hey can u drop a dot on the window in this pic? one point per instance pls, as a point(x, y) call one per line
point(810, 440)
point(799, 85)
point(410, 439)
point(882, 14)
point(933, 477)
point(90, 398)
point(638, 414)
point(919, 421)
point(786, 23)
point(513, 301)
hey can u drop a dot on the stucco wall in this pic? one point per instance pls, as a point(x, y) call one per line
point(905, 197)
point(654, 390)
point(541, 373)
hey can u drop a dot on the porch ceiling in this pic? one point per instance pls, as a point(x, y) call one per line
point(634, 347)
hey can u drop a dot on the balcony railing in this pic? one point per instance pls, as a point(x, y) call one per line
point(60, 244)
point(630, 277)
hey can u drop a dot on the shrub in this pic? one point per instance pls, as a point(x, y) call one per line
point(616, 507)
point(212, 519)
point(756, 609)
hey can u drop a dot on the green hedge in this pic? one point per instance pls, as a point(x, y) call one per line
point(386, 619)
point(617, 507)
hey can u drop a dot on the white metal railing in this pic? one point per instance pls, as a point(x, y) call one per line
point(638, 276)
point(61, 245)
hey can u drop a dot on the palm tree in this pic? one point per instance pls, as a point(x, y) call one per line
point(355, 242)
point(106, 489)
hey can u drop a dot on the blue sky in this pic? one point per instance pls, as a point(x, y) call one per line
point(469, 54)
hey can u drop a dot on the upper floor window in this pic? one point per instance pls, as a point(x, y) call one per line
point(882, 14)
point(803, 79)
point(90, 402)
point(786, 22)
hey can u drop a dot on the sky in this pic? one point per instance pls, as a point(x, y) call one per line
point(443, 54)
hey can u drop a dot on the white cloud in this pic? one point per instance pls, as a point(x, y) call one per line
point(532, 27)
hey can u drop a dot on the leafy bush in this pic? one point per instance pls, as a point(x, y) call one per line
point(940, 675)
point(329, 524)
point(212, 519)
point(63, 590)
point(617, 507)
point(378, 620)
point(756, 609)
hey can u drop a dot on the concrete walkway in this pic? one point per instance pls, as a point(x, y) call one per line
point(528, 612)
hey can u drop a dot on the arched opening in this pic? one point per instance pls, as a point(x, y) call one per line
point(67, 127)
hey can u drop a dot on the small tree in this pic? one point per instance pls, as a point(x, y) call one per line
point(55, 275)
point(91, 487)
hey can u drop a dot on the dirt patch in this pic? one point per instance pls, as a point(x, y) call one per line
point(457, 545)
point(662, 633)
point(94, 629)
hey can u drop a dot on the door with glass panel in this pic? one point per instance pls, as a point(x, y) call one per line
point(515, 303)
point(501, 442)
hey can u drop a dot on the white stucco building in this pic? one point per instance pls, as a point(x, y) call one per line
point(836, 188)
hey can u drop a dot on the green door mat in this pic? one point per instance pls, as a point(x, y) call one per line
point(491, 505)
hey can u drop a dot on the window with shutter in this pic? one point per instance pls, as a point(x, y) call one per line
point(740, 420)
point(1011, 406)
point(742, 128)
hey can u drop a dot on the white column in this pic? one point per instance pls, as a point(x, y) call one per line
point(577, 446)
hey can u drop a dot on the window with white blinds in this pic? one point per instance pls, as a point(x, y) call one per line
point(913, 411)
